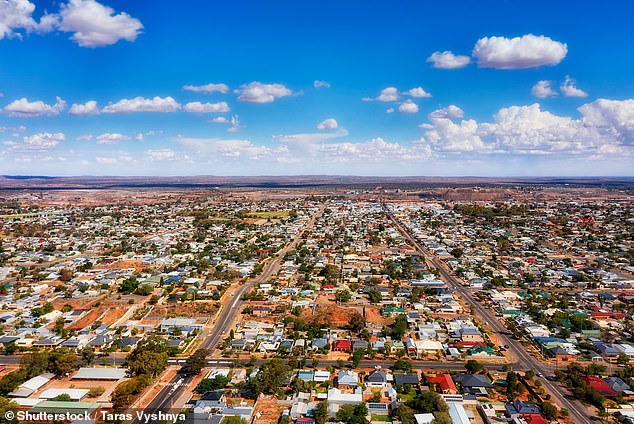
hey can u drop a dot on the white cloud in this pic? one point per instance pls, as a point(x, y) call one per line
point(569, 89)
point(451, 112)
point(85, 137)
point(208, 88)
point(111, 138)
point(257, 92)
point(606, 127)
point(139, 137)
point(36, 142)
point(447, 136)
point(389, 110)
point(310, 138)
point(141, 104)
point(408, 107)
point(543, 89)
point(216, 148)
point(374, 150)
point(615, 118)
point(125, 158)
point(219, 120)
point(235, 124)
point(328, 124)
point(15, 15)
point(418, 93)
point(88, 108)
point(389, 94)
point(23, 108)
point(321, 84)
point(161, 155)
point(528, 51)
point(198, 107)
point(448, 60)
point(96, 25)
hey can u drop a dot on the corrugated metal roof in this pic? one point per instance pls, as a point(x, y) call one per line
point(100, 374)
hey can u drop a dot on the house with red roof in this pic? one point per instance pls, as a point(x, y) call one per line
point(445, 384)
point(599, 385)
point(341, 345)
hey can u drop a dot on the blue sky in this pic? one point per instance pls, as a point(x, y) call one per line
point(493, 88)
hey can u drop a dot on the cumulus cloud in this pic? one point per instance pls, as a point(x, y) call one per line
point(328, 124)
point(141, 104)
point(257, 92)
point(321, 84)
point(528, 51)
point(389, 94)
point(88, 108)
point(417, 92)
point(543, 89)
point(612, 117)
point(208, 88)
point(23, 108)
point(219, 120)
point(111, 138)
point(15, 15)
point(96, 25)
point(569, 88)
point(605, 127)
point(448, 60)
point(451, 112)
point(408, 107)
point(198, 107)
point(36, 142)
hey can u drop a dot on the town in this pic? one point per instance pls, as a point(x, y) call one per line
point(353, 305)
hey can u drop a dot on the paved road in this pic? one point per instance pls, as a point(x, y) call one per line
point(165, 399)
point(525, 361)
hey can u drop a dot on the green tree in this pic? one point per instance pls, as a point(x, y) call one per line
point(343, 296)
point(353, 414)
point(430, 402)
point(216, 383)
point(356, 322)
point(232, 419)
point(472, 366)
point(197, 361)
point(123, 394)
point(357, 357)
point(403, 364)
point(128, 285)
point(63, 363)
point(7, 405)
point(442, 418)
point(321, 412)
point(375, 296)
point(457, 252)
point(549, 410)
point(148, 363)
point(270, 377)
point(405, 414)
point(400, 327)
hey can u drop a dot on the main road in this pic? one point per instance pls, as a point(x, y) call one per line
point(525, 361)
point(172, 391)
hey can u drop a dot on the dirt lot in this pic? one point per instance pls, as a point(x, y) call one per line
point(269, 409)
